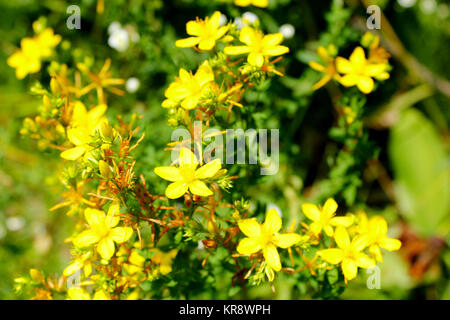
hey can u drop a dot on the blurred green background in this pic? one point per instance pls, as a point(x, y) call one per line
point(407, 117)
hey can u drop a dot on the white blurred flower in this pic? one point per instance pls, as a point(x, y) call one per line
point(287, 30)
point(132, 85)
point(223, 20)
point(239, 23)
point(119, 40)
point(200, 245)
point(406, 3)
point(428, 6)
point(277, 208)
point(15, 223)
point(114, 26)
point(249, 17)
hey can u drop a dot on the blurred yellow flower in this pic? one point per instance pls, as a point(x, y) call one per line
point(28, 59)
point(188, 89)
point(205, 33)
point(78, 293)
point(103, 231)
point(256, 3)
point(164, 260)
point(82, 128)
point(324, 218)
point(348, 254)
point(328, 68)
point(376, 229)
point(358, 71)
point(265, 237)
point(187, 176)
point(258, 46)
point(82, 261)
point(135, 263)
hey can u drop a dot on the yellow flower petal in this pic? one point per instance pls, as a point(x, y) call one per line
point(199, 188)
point(73, 153)
point(316, 66)
point(169, 173)
point(236, 50)
point(375, 252)
point(358, 58)
point(349, 268)
point(333, 256)
point(360, 242)
point(207, 44)
point(364, 261)
point(72, 268)
point(248, 246)
point(113, 216)
point(208, 170)
point(272, 224)
point(188, 42)
point(311, 211)
point(106, 248)
point(101, 295)
point(275, 51)
point(315, 227)
point(187, 158)
point(365, 84)
point(78, 136)
point(78, 294)
point(328, 229)
point(85, 239)
point(250, 227)
point(286, 240)
point(349, 80)
point(121, 234)
point(272, 258)
point(176, 189)
point(390, 244)
point(343, 65)
point(330, 207)
point(256, 59)
point(94, 217)
point(194, 28)
point(342, 238)
point(342, 221)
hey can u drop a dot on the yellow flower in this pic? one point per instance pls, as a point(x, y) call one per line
point(28, 59)
point(258, 46)
point(78, 293)
point(205, 33)
point(82, 261)
point(376, 229)
point(265, 237)
point(82, 128)
point(164, 260)
point(187, 176)
point(328, 69)
point(348, 254)
point(103, 231)
point(324, 218)
point(135, 263)
point(46, 41)
point(359, 71)
point(256, 3)
point(188, 89)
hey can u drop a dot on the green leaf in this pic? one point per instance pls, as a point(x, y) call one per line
point(421, 173)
